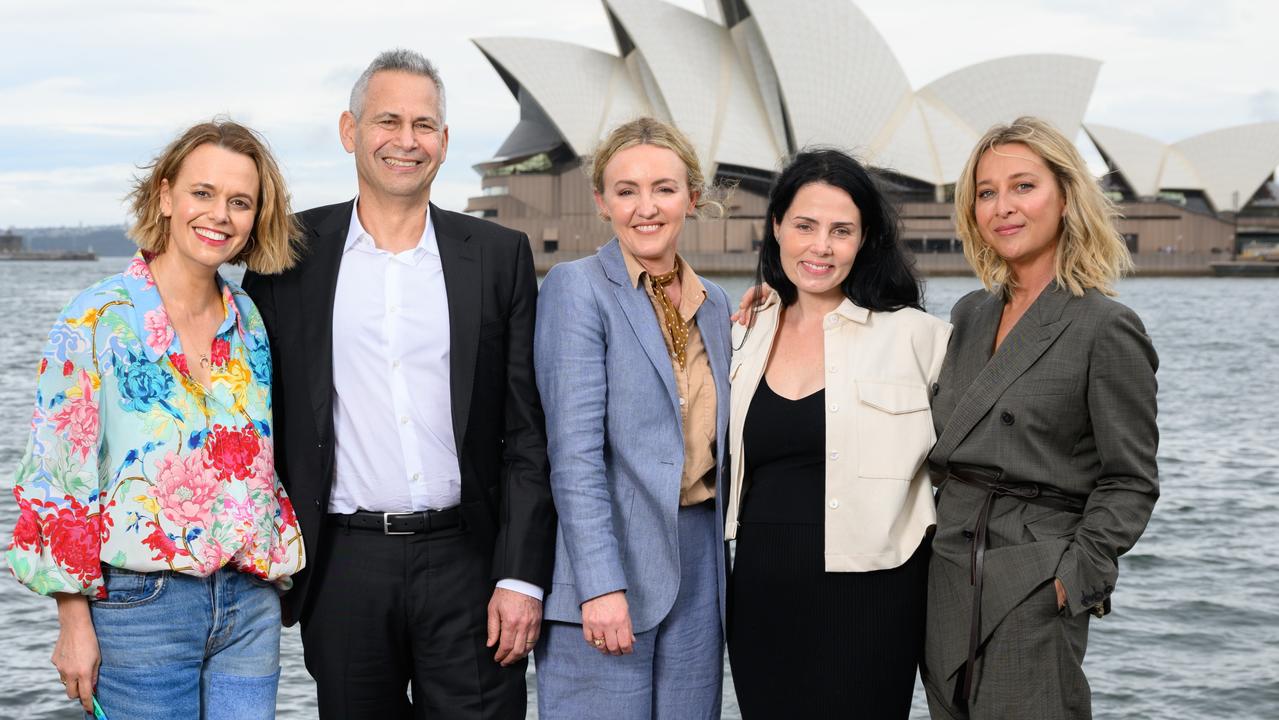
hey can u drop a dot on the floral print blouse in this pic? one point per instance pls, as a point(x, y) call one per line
point(133, 463)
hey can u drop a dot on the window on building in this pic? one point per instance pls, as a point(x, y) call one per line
point(550, 246)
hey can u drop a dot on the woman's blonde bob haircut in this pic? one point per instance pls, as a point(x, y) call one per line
point(650, 131)
point(272, 246)
point(1090, 251)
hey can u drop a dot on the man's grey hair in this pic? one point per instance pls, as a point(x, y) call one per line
point(400, 60)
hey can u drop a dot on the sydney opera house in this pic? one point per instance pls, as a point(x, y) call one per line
point(753, 80)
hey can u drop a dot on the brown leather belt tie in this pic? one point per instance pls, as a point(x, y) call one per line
point(991, 480)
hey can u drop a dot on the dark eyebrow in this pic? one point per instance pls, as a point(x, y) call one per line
point(837, 223)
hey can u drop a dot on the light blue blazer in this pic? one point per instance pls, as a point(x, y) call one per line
point(615, 436)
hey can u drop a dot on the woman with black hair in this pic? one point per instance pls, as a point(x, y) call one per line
point(829, 500)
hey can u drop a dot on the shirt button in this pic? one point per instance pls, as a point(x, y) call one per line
point(417, 476)
point(404, 419)
point(834, 454)
point(834, 503)
point(833, 369)
point(395, 364)
point(834, 407)
point(831, 320)
point(681, 401)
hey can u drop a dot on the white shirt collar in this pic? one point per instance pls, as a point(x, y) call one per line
point(357, 236)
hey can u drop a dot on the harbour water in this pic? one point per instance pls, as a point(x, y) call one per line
point(1195, 631)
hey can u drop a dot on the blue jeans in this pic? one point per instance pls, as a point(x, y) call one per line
point(182, 647)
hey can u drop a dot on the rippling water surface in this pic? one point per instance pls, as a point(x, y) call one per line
point(1195, 632)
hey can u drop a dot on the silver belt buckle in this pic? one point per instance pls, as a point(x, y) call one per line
point(386, 523)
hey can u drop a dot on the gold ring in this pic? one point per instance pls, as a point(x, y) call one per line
point(599, 642)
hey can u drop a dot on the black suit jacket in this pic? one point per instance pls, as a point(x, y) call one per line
point(497, 415)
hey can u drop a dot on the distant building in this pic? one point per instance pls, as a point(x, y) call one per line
point(10, 243)
point(755, 80)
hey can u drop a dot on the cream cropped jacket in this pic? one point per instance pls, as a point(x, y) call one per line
point(881, 368)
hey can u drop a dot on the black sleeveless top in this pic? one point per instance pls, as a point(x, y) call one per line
point(784, 442)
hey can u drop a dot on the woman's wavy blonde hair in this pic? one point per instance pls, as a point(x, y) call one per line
point(711, 199)
point(273, 245)
point(1090, 251)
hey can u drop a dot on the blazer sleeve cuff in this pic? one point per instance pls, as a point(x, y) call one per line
point(1083, 593)
point(607, 583)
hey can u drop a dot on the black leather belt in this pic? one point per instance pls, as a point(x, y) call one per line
point(400, 523)
point(991, 480)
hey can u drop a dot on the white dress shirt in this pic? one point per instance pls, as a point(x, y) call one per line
point(392, 411)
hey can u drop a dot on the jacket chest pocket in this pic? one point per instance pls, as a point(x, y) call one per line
point(894, 429)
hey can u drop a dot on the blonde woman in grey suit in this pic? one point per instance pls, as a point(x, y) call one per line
point(1045, 415)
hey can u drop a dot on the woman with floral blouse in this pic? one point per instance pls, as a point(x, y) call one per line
point(148, 501)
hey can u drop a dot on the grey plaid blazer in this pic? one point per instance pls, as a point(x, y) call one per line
point(1067, 401)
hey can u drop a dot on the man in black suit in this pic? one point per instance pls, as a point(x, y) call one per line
point(408, 428)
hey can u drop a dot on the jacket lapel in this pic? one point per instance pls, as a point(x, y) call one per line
point(638, 310)
point(318, 283)
point(461, 262)
point(1028, 340)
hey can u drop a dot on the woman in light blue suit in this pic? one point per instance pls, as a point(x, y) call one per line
point(632, 352)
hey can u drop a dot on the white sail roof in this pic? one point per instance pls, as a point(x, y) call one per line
point(1139, 158)
point(698, 74)
point(840, 82)
point(1055, 88)
point(1233, 162)
point(786, 75)
point(583, 91)
point(1228, 165)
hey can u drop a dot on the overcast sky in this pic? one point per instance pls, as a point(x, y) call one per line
point(90, 90)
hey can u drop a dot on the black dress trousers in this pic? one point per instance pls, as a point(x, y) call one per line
point(398, 629)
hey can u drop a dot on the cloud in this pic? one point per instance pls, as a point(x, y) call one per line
point(91, 195)
point(1265, 106)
